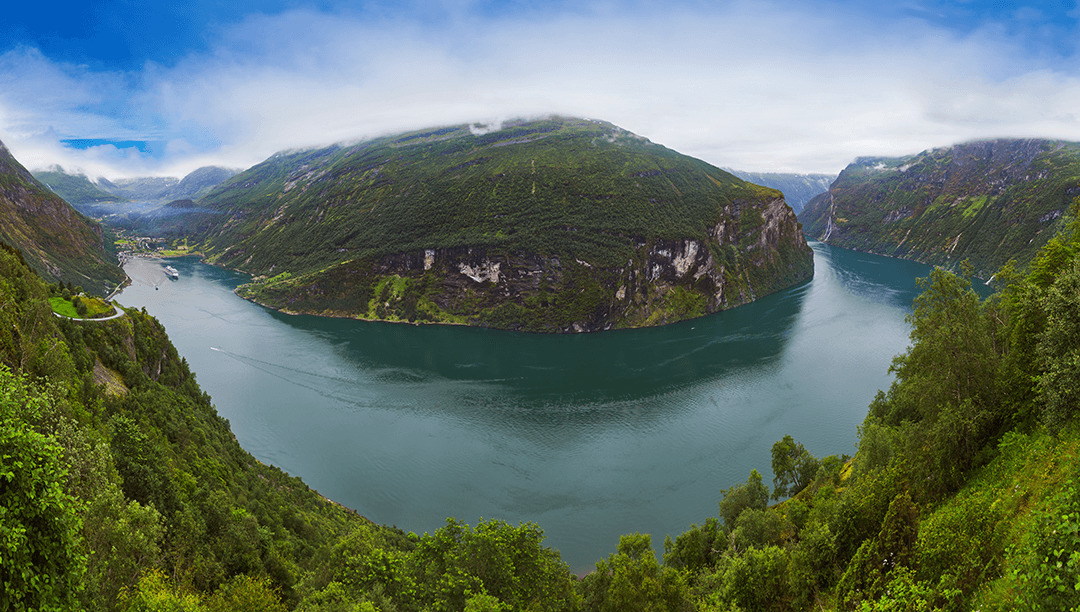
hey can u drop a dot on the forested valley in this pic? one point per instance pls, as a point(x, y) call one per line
point(122, 489)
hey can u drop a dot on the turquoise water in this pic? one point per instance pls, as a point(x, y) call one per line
point(590, 436)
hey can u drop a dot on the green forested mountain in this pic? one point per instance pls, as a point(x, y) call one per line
point(76, 189)
point(987, 202)
point(56, 240)
point(551, 225)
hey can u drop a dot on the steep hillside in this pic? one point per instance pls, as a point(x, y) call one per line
point(551, 225)
point(122, 489)
point(77, 189)
point(964, 493)
point(987, 202)
point(198, 183)
point(798, 189)
point(57, 241)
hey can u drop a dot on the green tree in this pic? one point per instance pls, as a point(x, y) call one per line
point(757, 580)
point(696, 548)
point(141, 466)
point(40, 564)
point(945, 395)
point(758, 528)
point(632, 580)
point(793, 467)
point(245, 594)
point(506, 562)
point(155, 593)
point(80, 306)
point(124, 541)
point(869, 570)
point(1059, 349)
point(751, 495)
point(482, 602)
point(813, 563)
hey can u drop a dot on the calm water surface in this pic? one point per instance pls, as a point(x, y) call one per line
point(590, 436)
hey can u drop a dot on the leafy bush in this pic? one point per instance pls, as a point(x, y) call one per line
point(40, 564)
point(749, 496)
point(1050, 579)
point(756, 580)
point(632, 580)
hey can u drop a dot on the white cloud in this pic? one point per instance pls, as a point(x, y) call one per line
point(749, 86)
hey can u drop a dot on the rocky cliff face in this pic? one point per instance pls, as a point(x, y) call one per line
point(664, 281)
point(557, 225)
point(987, 202)
point(58, 242)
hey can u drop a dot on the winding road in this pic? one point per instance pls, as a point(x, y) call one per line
point(119, 313)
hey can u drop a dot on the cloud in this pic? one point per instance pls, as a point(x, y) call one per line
point(745, 85)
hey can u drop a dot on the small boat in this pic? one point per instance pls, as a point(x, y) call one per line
point(171, 272)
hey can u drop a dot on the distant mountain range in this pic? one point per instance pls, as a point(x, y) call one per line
point(987, 202)
point(115, 200)
point(798, 189)
point(559, 224)
point(57, 241)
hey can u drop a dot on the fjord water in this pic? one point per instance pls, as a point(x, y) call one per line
point(590, 436)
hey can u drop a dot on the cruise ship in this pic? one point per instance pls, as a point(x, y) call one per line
point(171, 272)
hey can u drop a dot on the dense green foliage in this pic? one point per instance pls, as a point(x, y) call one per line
point(39, 555)
point(534, 226)
point(985, 202)
point(122, 489)
point(963, 492)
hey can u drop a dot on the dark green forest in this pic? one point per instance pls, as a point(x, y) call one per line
point(122, 489)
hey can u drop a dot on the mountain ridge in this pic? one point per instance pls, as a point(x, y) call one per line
point(559, 224)
point(56, 240)
point(986, 201)
point(78, 188)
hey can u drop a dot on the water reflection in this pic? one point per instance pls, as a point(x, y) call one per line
point(534, 371)
point(591, 436)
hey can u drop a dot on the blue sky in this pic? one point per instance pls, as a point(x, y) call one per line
point(124, 88)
